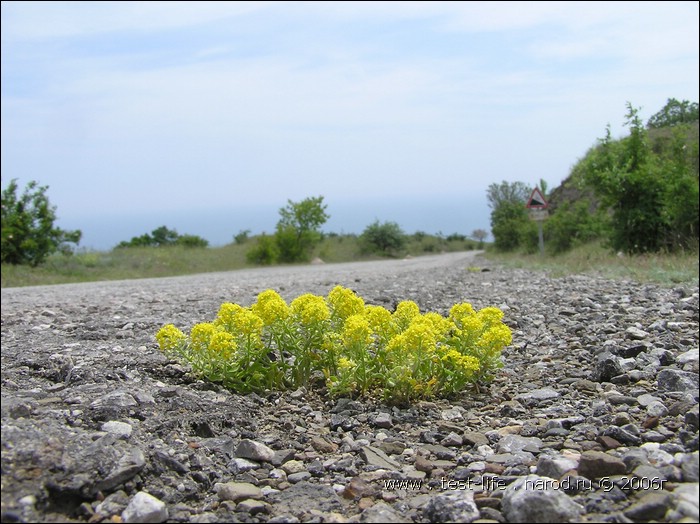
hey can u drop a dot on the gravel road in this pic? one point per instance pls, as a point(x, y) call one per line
point(594, 416)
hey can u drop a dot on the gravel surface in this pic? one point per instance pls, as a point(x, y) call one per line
point(594, 416)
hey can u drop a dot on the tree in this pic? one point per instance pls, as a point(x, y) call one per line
point(509, 219)
point(298, 229)
point(29, 235)
point(480, 235)
point(162, 236)
point(674, 113)
point(386, 238)
point(507, 193)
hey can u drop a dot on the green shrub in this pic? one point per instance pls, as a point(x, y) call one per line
point(241, 237)
point(265, 251)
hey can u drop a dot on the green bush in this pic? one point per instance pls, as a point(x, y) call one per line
point(573, 224)
point(265, 251)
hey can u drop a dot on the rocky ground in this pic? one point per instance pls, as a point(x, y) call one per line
point(594, 416)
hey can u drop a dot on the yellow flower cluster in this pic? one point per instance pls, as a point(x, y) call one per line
point(170, 338)
point(356, 331)
point(359, 348)
point(271, 307)
point(310, 309)
point(345, 303)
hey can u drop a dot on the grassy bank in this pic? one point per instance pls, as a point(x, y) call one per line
point(666, 269)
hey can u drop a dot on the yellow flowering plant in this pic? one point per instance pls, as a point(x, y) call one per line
point(359, 349)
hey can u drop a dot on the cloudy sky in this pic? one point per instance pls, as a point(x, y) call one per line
point(208, 116)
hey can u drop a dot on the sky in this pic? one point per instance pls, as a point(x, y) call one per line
point(208, 117)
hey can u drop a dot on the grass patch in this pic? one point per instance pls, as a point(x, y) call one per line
point(594, 259)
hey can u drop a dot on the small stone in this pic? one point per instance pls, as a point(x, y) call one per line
point(253, 507)
point(254, 451)
point(453, 506)
point(144, 507)
point(377, 458)
point(120, 429)
point(657, 409)
point(539, 394)
point(686, 503)
point(692, 355)
point(382, 512)
point(323, 446)
point(451, 414)
point(597, 464)
point(474, 438)
point(452, 440)
point(635, 333)
point(383, 420)
point(359, 488)
point(298, 477)
point(677, 380)
point(423, 464)
point(650, 507)
point(538, 499)
point(293, 466)
point(691, 417)
point(607, 366)
point(554, 466)
point(237, 491)
point(608, 442)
